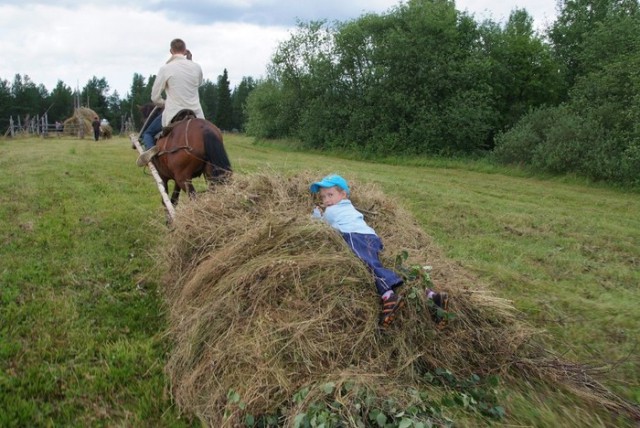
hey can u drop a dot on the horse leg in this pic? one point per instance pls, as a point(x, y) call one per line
point(191, 190)
point(184, 181)
point(175, 195)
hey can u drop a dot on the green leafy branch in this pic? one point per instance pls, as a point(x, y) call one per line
point(417, 278)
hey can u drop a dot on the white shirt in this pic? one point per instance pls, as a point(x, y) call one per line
point(344, 217)
point(180, 79)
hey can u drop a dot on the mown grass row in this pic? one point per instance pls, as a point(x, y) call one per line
point(81, 320)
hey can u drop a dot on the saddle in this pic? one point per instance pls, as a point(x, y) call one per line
point(183, 114)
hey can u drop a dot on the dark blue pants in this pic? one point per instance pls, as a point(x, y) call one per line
point(153, 128)
point(367, 248)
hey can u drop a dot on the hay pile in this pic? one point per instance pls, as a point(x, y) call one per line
point(80, 122)
point(264, 300)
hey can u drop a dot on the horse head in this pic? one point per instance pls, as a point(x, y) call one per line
point(146, 109)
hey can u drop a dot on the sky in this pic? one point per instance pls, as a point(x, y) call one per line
point(74, 41)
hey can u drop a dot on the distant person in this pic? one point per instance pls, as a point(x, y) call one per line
point(58, 128)
point(179, 79)
point(338, 211)
point(96, 128)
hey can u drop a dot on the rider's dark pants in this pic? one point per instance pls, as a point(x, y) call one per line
point(154, 127)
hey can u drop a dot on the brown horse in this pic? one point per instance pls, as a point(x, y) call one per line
point(190, 148)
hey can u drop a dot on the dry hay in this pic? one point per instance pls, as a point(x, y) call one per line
point(80, 121)
point(106, 132)
point(264, 301)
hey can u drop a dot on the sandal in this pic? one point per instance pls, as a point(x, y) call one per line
point(439, 309)
point(389, 309)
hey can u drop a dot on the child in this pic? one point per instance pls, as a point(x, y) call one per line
point(340, 214)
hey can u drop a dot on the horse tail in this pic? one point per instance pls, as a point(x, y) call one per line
point(217, 160)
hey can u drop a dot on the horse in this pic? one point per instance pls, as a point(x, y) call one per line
point(188, 148)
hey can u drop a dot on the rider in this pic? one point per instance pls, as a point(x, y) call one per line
point(179, 79)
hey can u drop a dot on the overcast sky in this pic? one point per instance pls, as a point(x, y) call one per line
point(73, 41)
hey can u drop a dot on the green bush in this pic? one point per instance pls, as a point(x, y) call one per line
point(560, 140)
point(565, 144)
point(269, 110)
point(520, 144)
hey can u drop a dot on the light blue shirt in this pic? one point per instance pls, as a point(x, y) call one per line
point(344, 217)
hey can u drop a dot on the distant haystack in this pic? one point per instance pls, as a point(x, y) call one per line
point(80, 123)
point(106, 131)
point(264, 301)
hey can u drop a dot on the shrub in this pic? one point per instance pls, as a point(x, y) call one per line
point(520, 143)
point(561, 140)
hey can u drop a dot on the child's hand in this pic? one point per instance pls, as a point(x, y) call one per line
point(317, 211)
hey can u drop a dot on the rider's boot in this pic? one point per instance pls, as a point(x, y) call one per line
point(146, 156)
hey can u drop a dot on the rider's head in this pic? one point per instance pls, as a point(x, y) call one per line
point(178, 46)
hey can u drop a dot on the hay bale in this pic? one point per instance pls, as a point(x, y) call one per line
point(106, 132)
point(80, 122)
point(264, 300)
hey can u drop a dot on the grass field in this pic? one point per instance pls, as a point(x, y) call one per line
point(81, 320)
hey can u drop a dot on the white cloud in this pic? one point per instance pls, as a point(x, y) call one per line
point(115, 42)
point(73, 41)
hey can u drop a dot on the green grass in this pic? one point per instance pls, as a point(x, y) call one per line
point(81, 320)
point(80, 328)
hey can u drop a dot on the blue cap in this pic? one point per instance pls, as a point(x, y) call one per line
point(332, 180)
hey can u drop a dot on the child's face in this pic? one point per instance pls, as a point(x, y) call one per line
point(331, 195)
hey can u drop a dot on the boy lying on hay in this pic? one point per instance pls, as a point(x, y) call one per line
point(266, 302)
point(338, 211)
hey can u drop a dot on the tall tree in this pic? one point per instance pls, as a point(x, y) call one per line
point(524, 73)
point(439, 80)
point(300, 65)
point(412, 81)
point(137, 96)
point(577, 18)
point(115, 112)
point(94, 95)
point(6, 101)
point(209, 99)
point(224, 114)
point(266, 106)
point(239, 101)
point(28, 99)
point(60, 102)
point(595, 132)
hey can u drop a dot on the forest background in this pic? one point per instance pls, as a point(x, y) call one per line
point(425, 79)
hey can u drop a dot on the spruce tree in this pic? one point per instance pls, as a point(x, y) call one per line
point(239, 101)
point(224, 115)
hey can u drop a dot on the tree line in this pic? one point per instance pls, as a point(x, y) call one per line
point(425, 78)
point(23, 97)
